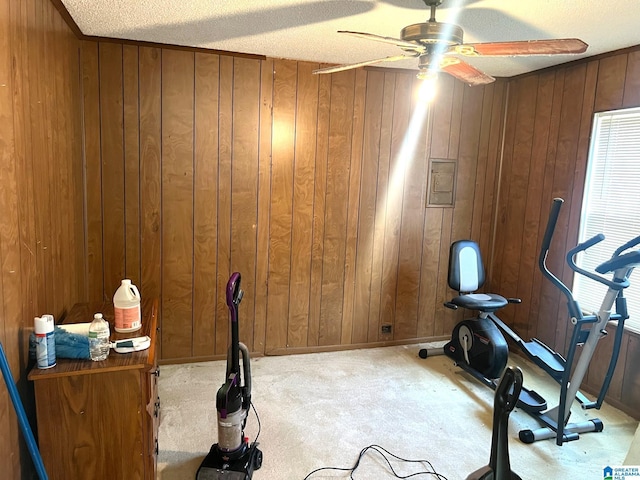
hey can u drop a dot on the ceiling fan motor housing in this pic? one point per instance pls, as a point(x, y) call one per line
point(433, 32)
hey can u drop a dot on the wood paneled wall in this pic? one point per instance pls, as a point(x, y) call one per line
point(42, 222)
point(197, 165)
point(547, 134)
point(202, 164)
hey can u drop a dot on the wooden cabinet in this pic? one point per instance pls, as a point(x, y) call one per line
point(100, 419)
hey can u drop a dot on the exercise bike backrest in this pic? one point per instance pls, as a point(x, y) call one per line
point(466, 270)
point(621, 265)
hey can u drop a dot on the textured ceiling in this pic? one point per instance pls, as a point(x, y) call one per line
point(306, 29)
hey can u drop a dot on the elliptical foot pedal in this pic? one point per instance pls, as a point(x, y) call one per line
point(531, 401)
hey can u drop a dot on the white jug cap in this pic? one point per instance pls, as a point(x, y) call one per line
point(97, 315)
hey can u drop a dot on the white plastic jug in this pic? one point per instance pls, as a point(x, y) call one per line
point(126, 307)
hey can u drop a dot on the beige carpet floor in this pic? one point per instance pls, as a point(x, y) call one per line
point(321, 410)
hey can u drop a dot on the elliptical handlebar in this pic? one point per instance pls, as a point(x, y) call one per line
point(551, 226)
point(582, 247)
point(546, 242)
point(631, 243)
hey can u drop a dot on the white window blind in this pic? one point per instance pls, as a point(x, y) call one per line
point(611, 204)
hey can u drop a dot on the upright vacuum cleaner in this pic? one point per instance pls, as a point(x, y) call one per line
point(233, 457)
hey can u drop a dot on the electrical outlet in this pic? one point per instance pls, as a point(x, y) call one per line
point(386, 328)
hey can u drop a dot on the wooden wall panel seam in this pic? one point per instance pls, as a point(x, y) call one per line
point(292, 325)
point(379, 224)
point(319, 205)
point(264, 202)
point(512, 256)
point(344, 323)
point(564, 165)
point(204, 284)
point(193, 209)
point(353, 202)
point(404, 152)
point(494, 224)
point(534, 204)
point(177, 198)
point(303, 169)
point(426, 300)
point(24, 168)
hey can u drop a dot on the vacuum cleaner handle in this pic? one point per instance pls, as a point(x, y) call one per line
point(234, 294)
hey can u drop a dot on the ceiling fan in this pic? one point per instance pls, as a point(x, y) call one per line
point(435, 45)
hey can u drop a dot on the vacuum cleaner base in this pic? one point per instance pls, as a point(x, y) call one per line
point(218, 465)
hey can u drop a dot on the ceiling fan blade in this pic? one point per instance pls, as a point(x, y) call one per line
point(465, 72)
point(393, 41)
point(340, 68)
point(561, 46)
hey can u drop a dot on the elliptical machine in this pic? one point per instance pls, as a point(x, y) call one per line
point(233, 458)
point(479, 347)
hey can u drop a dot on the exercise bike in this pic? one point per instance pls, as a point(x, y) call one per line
point(479, 347)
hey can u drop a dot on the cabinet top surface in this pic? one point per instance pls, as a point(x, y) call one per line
point(82, 313)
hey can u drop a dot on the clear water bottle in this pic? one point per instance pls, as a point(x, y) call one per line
point(99, 338)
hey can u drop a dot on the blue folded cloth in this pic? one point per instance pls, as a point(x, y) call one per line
point(68, 345)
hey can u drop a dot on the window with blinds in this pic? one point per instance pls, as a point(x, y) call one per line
point(611, 204)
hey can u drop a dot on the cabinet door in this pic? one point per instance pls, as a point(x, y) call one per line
point(89, 426)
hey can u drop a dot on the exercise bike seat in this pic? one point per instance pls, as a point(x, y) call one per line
point(466, 275)
point(483, 302)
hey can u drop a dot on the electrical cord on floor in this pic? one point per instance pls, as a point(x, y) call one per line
point(259, 425)
point(382, 451)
